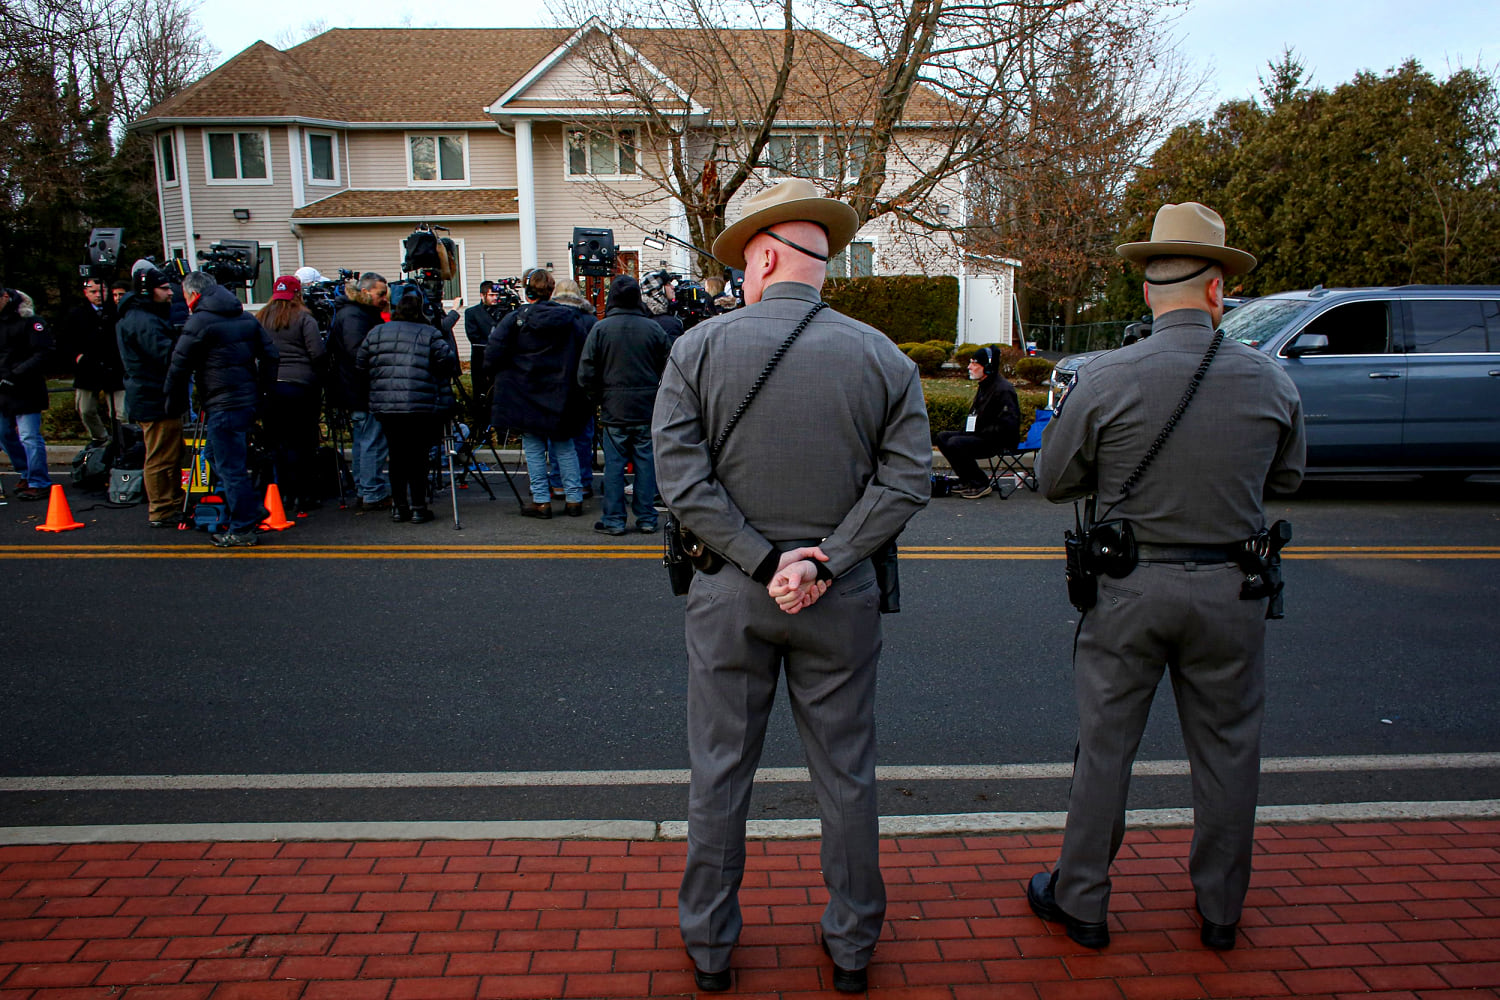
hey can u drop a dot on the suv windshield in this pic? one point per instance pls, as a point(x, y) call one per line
point(1255, 321)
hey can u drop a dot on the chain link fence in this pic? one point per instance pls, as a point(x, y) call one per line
point(1078, 338)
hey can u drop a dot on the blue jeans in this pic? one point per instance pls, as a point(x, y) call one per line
point(227, 432)
point(583, 444)
point(536, 448)
point(621, 445)
point(370, 452)
point(21, 437)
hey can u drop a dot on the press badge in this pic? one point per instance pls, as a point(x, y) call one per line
point(971, 423)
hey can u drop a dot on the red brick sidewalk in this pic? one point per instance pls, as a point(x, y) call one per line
point(1391, 909)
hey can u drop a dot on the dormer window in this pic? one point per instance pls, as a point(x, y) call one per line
point(602, 154)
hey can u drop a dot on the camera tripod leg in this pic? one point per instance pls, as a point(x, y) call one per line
point(490, 435)
point(449, 445)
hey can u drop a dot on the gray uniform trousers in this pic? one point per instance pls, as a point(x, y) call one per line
point(737, 642)
point(1188, 618)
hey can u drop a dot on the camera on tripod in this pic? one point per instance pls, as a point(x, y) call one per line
point(323, 298)
point(593, 252)
point(104, 253)
point(429, 261)
point(232, 263)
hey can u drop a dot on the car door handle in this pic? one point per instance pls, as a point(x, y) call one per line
point(1495, 374)
point(1385, 374)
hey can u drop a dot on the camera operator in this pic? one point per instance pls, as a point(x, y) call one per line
point(25, 345)
point(348, 388)
point(87, 340)
point(656, 296)
point(145, 338)
point(993, 427)
point(291, 417)
point(479, 320)
point(232, 359)
point(1174, 595)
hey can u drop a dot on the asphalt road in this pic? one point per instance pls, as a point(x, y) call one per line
point(353, 646)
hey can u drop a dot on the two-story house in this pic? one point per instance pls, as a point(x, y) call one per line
point(330, 152)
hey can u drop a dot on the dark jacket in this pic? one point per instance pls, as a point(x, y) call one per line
point(621, 366)
point(671, 326)
point(480, 320)
point(347, 386)
point(998, 412)
point(299, 347)
point(87, 341)
point(228, 353)
point(409, 367)
point(25, 346)
point(532, 361)
point(145, 337)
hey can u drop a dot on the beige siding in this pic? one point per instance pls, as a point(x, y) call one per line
point(377, 159)
point(270, 205)
point(492, 159)
point(573, 81)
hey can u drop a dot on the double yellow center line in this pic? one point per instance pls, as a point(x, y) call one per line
point(276, 549)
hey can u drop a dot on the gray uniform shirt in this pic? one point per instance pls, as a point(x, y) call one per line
point(1241, 434)
point(835, 447)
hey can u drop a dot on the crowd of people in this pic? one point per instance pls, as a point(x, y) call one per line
point(272, 385)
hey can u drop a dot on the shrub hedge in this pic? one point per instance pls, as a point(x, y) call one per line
point(929, 359)
point(908, 308)
point(948, 403)
point(1034, 370)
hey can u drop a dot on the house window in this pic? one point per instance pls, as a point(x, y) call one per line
point(237, 157)
point(322, 158)
point(857, 260)
point(166, 155)
point(438, 159)
point(602, 154)
point(825, 157)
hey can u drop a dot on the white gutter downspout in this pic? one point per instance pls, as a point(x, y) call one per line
point(526, 193)
point(189, 242)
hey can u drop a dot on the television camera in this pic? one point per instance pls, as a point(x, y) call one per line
point(323, 298)
point(593, 252)
point(103, 249)
point(232, 263)
point(429, 261)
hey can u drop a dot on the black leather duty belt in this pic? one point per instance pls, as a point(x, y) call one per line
point(1186, 553)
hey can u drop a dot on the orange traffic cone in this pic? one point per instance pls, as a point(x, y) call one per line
point(59, 516)
point(276, 520)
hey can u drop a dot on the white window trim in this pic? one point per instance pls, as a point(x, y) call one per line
point(411, 179)
point(874, 258)
point(307, 155)
point(824, 139)
point(171, 142)
point(463, 264)
point(250, 302)
point(172, 249)
point(208, 163)
point(588, 152)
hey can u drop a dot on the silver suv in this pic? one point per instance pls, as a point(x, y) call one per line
point(1392, 379)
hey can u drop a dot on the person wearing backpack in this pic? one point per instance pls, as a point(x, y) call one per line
point(145, 337)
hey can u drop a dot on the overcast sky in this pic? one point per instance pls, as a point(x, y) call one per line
point(1230, 39)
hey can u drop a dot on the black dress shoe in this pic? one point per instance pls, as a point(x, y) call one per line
point(711, 982)
point(421, 515)
point(1039, 893)
point(847, 980)
point(400, 514)
point(1219, 937)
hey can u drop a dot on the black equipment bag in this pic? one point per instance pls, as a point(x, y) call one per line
point(91, 466)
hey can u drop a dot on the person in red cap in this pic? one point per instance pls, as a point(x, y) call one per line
point(291, 415)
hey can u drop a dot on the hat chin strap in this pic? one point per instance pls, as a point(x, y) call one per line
point(781, 239)
point(1170, 281)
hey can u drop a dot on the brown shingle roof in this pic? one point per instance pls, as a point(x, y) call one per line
point(405, 75)
point(409, 204)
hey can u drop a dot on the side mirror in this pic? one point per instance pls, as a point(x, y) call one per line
point(1306, 343)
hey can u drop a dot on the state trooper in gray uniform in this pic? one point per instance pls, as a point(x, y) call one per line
point(827, 464)
point(1181, 607)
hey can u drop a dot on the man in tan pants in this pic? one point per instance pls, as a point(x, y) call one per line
point(146, 341)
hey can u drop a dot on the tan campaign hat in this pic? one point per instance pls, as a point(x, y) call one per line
point(793, 200)
point(1189, 230)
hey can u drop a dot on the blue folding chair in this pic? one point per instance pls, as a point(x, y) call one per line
point(1012, 462)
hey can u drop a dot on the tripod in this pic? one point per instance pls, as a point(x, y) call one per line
point(339, 430)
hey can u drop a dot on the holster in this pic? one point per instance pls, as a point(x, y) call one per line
point(1260, 559)
point(888, 576)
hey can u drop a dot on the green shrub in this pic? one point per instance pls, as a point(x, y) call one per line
point(908, 308)
point(963, 352)
point(1009, 357)
point(948, 404)
point(1034, 370)
point(946, 346)
point(929, 359)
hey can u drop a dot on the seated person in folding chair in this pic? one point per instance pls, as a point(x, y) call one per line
point(993, 427)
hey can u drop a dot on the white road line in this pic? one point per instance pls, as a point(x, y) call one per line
point(782, 829)
point(560, 779)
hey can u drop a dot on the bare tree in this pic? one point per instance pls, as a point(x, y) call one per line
point(887, 104)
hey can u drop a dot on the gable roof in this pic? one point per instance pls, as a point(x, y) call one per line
point(452, 75)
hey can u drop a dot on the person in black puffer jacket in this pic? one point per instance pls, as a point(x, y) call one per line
point(532, 360)
point(994, 425)
point(622, 363)
point(233, 361)
point(145, 337)
point(410, 366)
point(291, 418)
